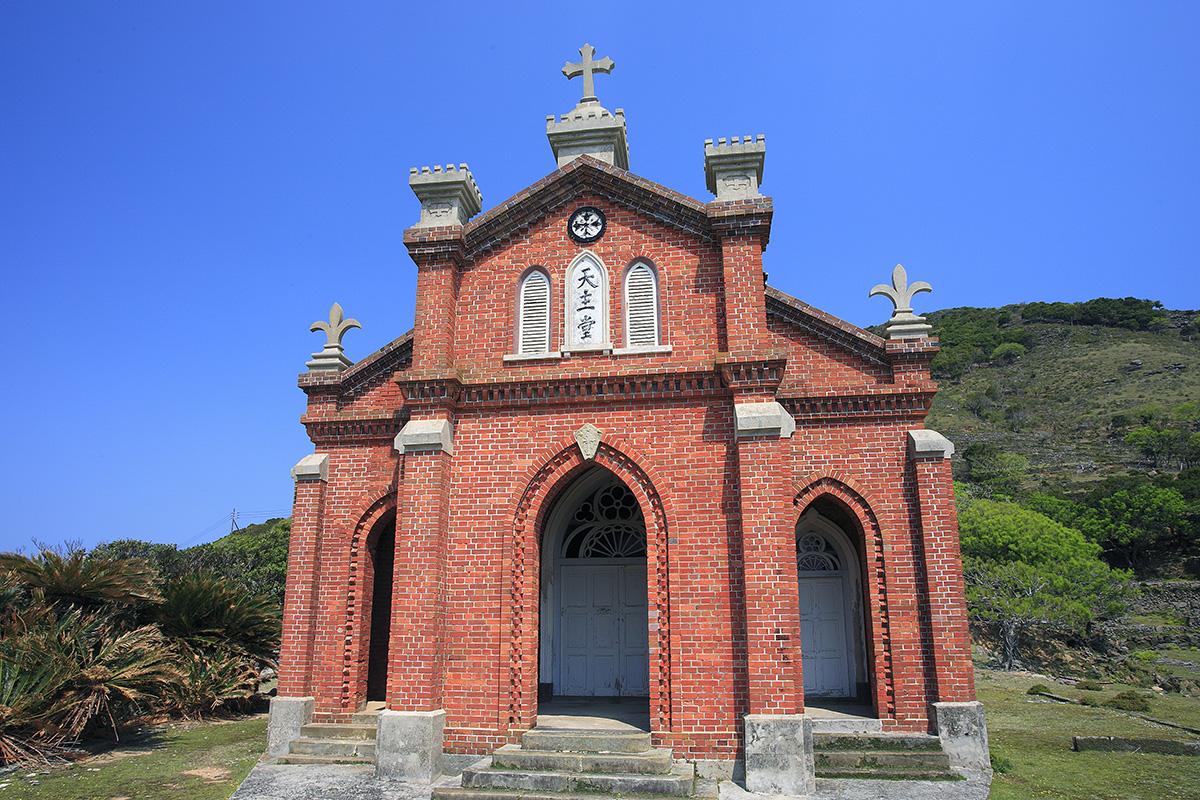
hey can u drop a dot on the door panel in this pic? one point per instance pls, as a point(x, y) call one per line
point(823, 637)
point(603, 632)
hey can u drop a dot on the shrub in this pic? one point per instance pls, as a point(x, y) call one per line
point(1038, 688)
point(1001, 764)
point(1128, 700)
point(1008, 352)
point(1144, 655)
point(1026, 572)
point(1088, 685)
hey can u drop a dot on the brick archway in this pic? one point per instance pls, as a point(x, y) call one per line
point(376, 505)
point(539, 487)
point(847, 494)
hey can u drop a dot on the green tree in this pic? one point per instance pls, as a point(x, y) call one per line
point(1007, 353)
point(1026, 573)
point(1132, 524)
point(998, 471)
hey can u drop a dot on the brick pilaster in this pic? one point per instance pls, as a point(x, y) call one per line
point(743, 227)
point(304, 567)
point(773, 658)
point(438, 256)
point(416, 655)
point(954, 676)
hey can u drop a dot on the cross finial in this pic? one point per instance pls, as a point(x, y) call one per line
point(332, 358)
point(587, 68)
point(904, 324)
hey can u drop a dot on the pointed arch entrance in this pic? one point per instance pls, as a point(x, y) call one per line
point(832, 640)
point(594, 625)
point(548, 477)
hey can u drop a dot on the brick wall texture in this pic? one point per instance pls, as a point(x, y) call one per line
point(721, 512)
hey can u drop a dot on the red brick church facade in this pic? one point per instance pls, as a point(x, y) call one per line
point(716, 453)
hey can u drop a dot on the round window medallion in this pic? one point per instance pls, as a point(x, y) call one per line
point(587, 224)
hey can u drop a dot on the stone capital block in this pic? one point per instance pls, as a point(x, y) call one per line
point(589, 129)
point(763, 419)
point(733, 168)
point(448, 197)
point(426, 435)
point(314, 467)
point(963, 732)
point(287, 716)
point(408, 744)
point(929, 444)
point(779, 754)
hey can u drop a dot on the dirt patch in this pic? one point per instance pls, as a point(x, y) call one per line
point(209, 774)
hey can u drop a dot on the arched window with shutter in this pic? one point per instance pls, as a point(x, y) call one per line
point(533, 313)
point(641, 306)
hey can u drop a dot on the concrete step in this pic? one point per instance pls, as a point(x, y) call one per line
point(369, 713)
point(680, 782)
point(890, 742)
point(459, 793)
point(650, 762)
point(332, 747)
point(847, 725)
point(332, 730)
point(888, 775)
point(305, 759)
point(911, 760)
point(568, 740)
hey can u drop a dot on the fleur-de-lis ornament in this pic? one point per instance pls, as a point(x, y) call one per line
point(332, 358)
point(904, 324)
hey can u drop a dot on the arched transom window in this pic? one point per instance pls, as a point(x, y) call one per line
point(587, 304)
point(608, 524)
point(533, 326)
point(813, 554)
point(641, 306)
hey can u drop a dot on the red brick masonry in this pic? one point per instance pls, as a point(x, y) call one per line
point(720, 511)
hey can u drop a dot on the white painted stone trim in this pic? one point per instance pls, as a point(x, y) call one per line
point(423, 435)
point(929, 444)
point(313, 467)
point(634, 351)
point(779, 755)
point(962, 729)
point(763, 419)
point(533, 356)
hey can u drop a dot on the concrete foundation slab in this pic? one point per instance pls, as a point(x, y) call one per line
point(408, 744)
point(288, 716)
point(963, 732)
point(779, 754)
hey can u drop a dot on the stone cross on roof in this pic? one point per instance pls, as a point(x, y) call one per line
point(587, 68)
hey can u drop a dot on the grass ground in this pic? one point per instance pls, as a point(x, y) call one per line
point(1032, 737)
point(185, 761)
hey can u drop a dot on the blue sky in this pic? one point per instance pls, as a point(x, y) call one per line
point(186, 186)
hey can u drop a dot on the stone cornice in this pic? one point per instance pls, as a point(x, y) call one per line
point(431, 248)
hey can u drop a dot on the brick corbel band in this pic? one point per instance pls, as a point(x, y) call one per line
point(311, 475)
point(930, 454)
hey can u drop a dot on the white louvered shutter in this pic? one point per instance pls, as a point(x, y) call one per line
point(534, 331)
point(641, 307)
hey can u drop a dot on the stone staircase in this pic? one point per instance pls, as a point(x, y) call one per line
point(570, 764)
point(336, 743)
point(891, 756)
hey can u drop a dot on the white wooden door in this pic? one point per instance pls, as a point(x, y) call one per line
point(823, 637)
point(603, 630)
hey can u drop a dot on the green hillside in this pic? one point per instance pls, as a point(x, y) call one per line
point(1066, 395)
